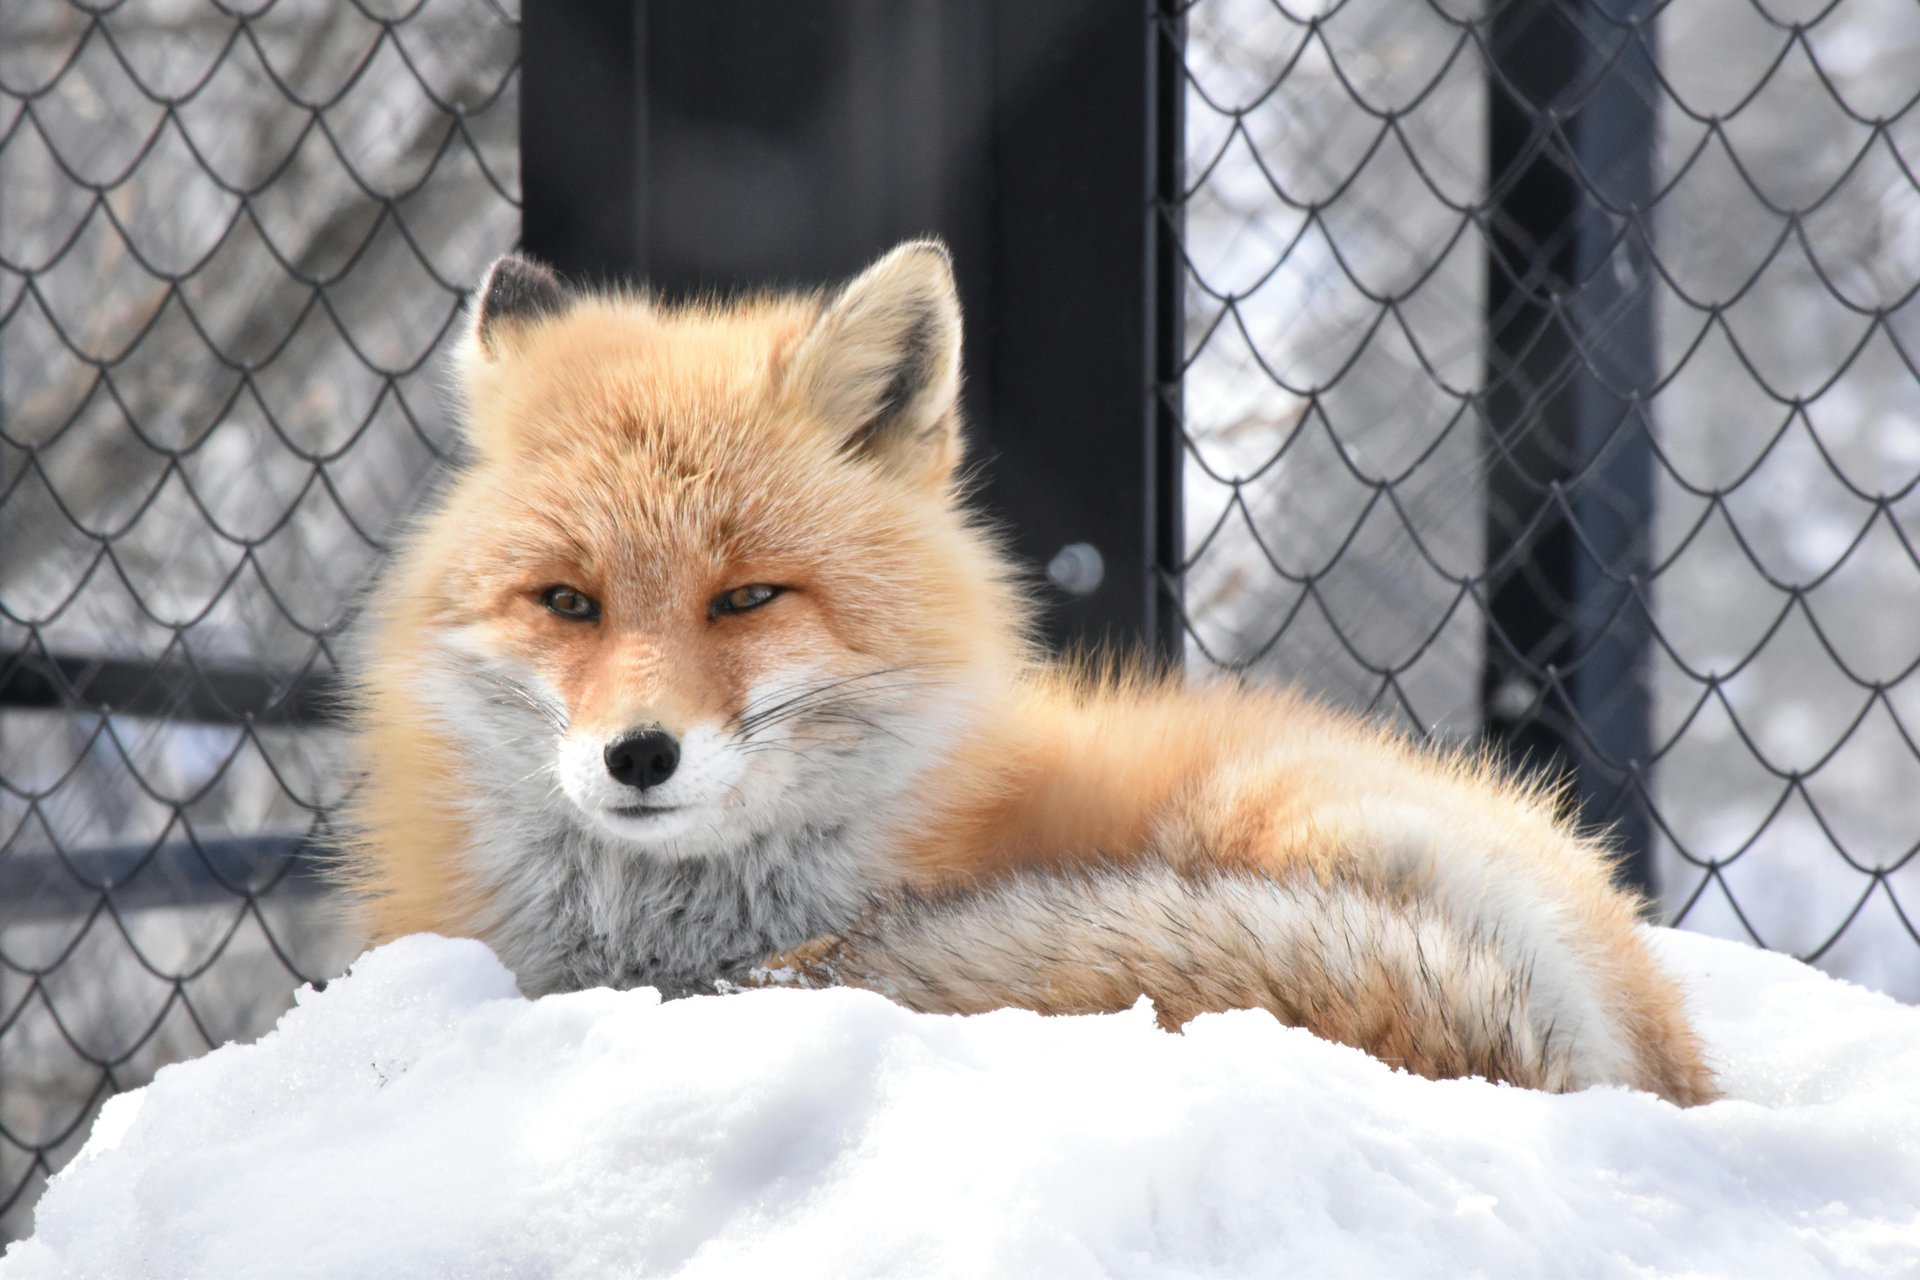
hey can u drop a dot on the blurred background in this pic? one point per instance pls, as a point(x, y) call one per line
point(1536, 373)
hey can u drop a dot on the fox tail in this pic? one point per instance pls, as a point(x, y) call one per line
point(1393, 975)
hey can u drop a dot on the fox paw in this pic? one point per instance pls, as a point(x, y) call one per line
point(807, 966)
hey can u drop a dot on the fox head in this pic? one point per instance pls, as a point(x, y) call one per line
point(704, 572)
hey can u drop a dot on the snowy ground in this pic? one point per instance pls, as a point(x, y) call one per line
point(421, 1118)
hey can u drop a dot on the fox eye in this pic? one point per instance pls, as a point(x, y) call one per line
point(741, 599)
point(575, 606)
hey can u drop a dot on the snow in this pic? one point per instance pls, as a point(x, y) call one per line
point(420, 1117)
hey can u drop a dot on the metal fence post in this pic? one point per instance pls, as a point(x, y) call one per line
point(1167, 63)
point(581, 169)
point(1570, 359)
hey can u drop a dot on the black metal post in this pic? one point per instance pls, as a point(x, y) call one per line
point(1167, 63)
point(1570, 359)
point(170, 688)
point(712, 145)
point(580, 136)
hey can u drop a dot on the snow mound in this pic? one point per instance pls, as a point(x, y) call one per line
point(420, 1117)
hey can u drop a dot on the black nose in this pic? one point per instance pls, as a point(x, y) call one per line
point(643, 759)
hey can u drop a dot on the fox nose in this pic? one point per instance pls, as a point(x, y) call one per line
point(644, 759)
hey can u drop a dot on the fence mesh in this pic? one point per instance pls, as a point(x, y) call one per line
point(1345, 229)
point(232, 238)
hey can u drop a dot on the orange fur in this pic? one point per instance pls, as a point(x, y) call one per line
point(656, 458)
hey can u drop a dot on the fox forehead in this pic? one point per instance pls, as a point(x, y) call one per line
point(633, 442)
point(612, 520)
point(684, 390)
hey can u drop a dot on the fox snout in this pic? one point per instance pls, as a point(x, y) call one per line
point(673, 788)
point(642, 758)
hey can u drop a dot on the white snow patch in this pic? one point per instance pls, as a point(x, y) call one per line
point(420, 1117)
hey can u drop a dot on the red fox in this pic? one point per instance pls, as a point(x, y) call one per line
point(700, 670)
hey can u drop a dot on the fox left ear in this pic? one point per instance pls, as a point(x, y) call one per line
point(516, 292)
point(882, 362)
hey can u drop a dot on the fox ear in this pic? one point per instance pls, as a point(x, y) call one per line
point(882, 362)
point(516, 292)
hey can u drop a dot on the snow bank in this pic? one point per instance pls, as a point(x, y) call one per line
point(421, 1118)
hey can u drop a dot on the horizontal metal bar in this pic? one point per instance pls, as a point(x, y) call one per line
point(168, 690)
point(44, 884)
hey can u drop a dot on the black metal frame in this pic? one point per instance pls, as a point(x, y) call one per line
point(1043, 144)
point(716, 145)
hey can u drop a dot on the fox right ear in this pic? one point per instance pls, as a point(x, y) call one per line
point(882, 362)
point(516, 292)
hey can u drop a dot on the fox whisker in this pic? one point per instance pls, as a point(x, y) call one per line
point(543, 767)
point(800, 699)
point(516, 693)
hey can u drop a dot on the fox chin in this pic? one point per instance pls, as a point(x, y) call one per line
point(700, 669)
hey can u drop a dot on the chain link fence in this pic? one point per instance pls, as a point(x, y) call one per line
point(232, 240)
point(1380, 324)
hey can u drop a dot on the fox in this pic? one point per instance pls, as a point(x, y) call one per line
point(701, 670)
